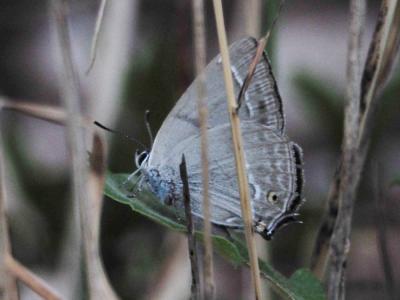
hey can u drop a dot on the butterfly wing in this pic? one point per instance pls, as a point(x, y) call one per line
point(262, 102)
point(273, 162)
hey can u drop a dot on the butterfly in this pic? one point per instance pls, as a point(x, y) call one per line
point(274, 163)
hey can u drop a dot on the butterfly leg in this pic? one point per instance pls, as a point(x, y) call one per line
point(137, 187)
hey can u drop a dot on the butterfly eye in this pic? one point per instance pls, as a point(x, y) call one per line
point(140, 158)
point(272, 197)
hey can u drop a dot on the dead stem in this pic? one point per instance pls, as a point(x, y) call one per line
point(195, 288)
point(340, 241)
point(69, 88)
point(262, 43)
point(45, 112)
point(200, 62)
point(238, 151)
point(359, 116)
point(37, 284)
point(99, 285)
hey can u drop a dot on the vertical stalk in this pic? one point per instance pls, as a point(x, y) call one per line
point(340, 241)
point(69, 88)
point(200, 63)
point(192, 245)
point(247, 215)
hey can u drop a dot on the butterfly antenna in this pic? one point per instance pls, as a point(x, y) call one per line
point(148, 127)
point(119, 133)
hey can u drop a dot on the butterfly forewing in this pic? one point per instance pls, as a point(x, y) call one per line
point(262, 102)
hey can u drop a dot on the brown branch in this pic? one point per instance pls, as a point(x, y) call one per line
point(192, 245)
point(351, 165)
point(99, 285)
point(200, 62)
point(359, 116)
point(238, 151)
point(37, 284)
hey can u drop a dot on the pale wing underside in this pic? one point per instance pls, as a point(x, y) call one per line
point(262, 103)
point(270, 165)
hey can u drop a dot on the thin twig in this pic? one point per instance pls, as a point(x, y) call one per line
point(380, 61)
point(190, 232)
point(381, 233)
point(8, 286)
point(69, 87)
point(238, 151)
point(340, 242)
point(37, 284)
point(45, 112)
point(99, 285)
point(200, 62)
point(95, 39)
point(254, 13)
point(262, 43)
point(360, 113)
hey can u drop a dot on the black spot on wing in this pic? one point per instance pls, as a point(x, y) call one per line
point(297, 155)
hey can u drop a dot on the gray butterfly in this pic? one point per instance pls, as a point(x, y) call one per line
point(274, 164)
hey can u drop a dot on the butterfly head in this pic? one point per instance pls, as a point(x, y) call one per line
point(141, 158)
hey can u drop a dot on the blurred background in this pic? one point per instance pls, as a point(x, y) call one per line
point(145, 61)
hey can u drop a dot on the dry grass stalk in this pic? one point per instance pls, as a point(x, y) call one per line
point(95, 39)
point(360, 113)
point(253, 21)
point(200, 63)
point(99, 285)
point(238, 150)
point(38, 285)
point(195, 288)
point(69, 88)
point(8, 286)
point(40, 111)
point(87, 210)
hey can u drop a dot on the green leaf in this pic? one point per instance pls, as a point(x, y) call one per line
point(304, 283)
point(301, 286)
